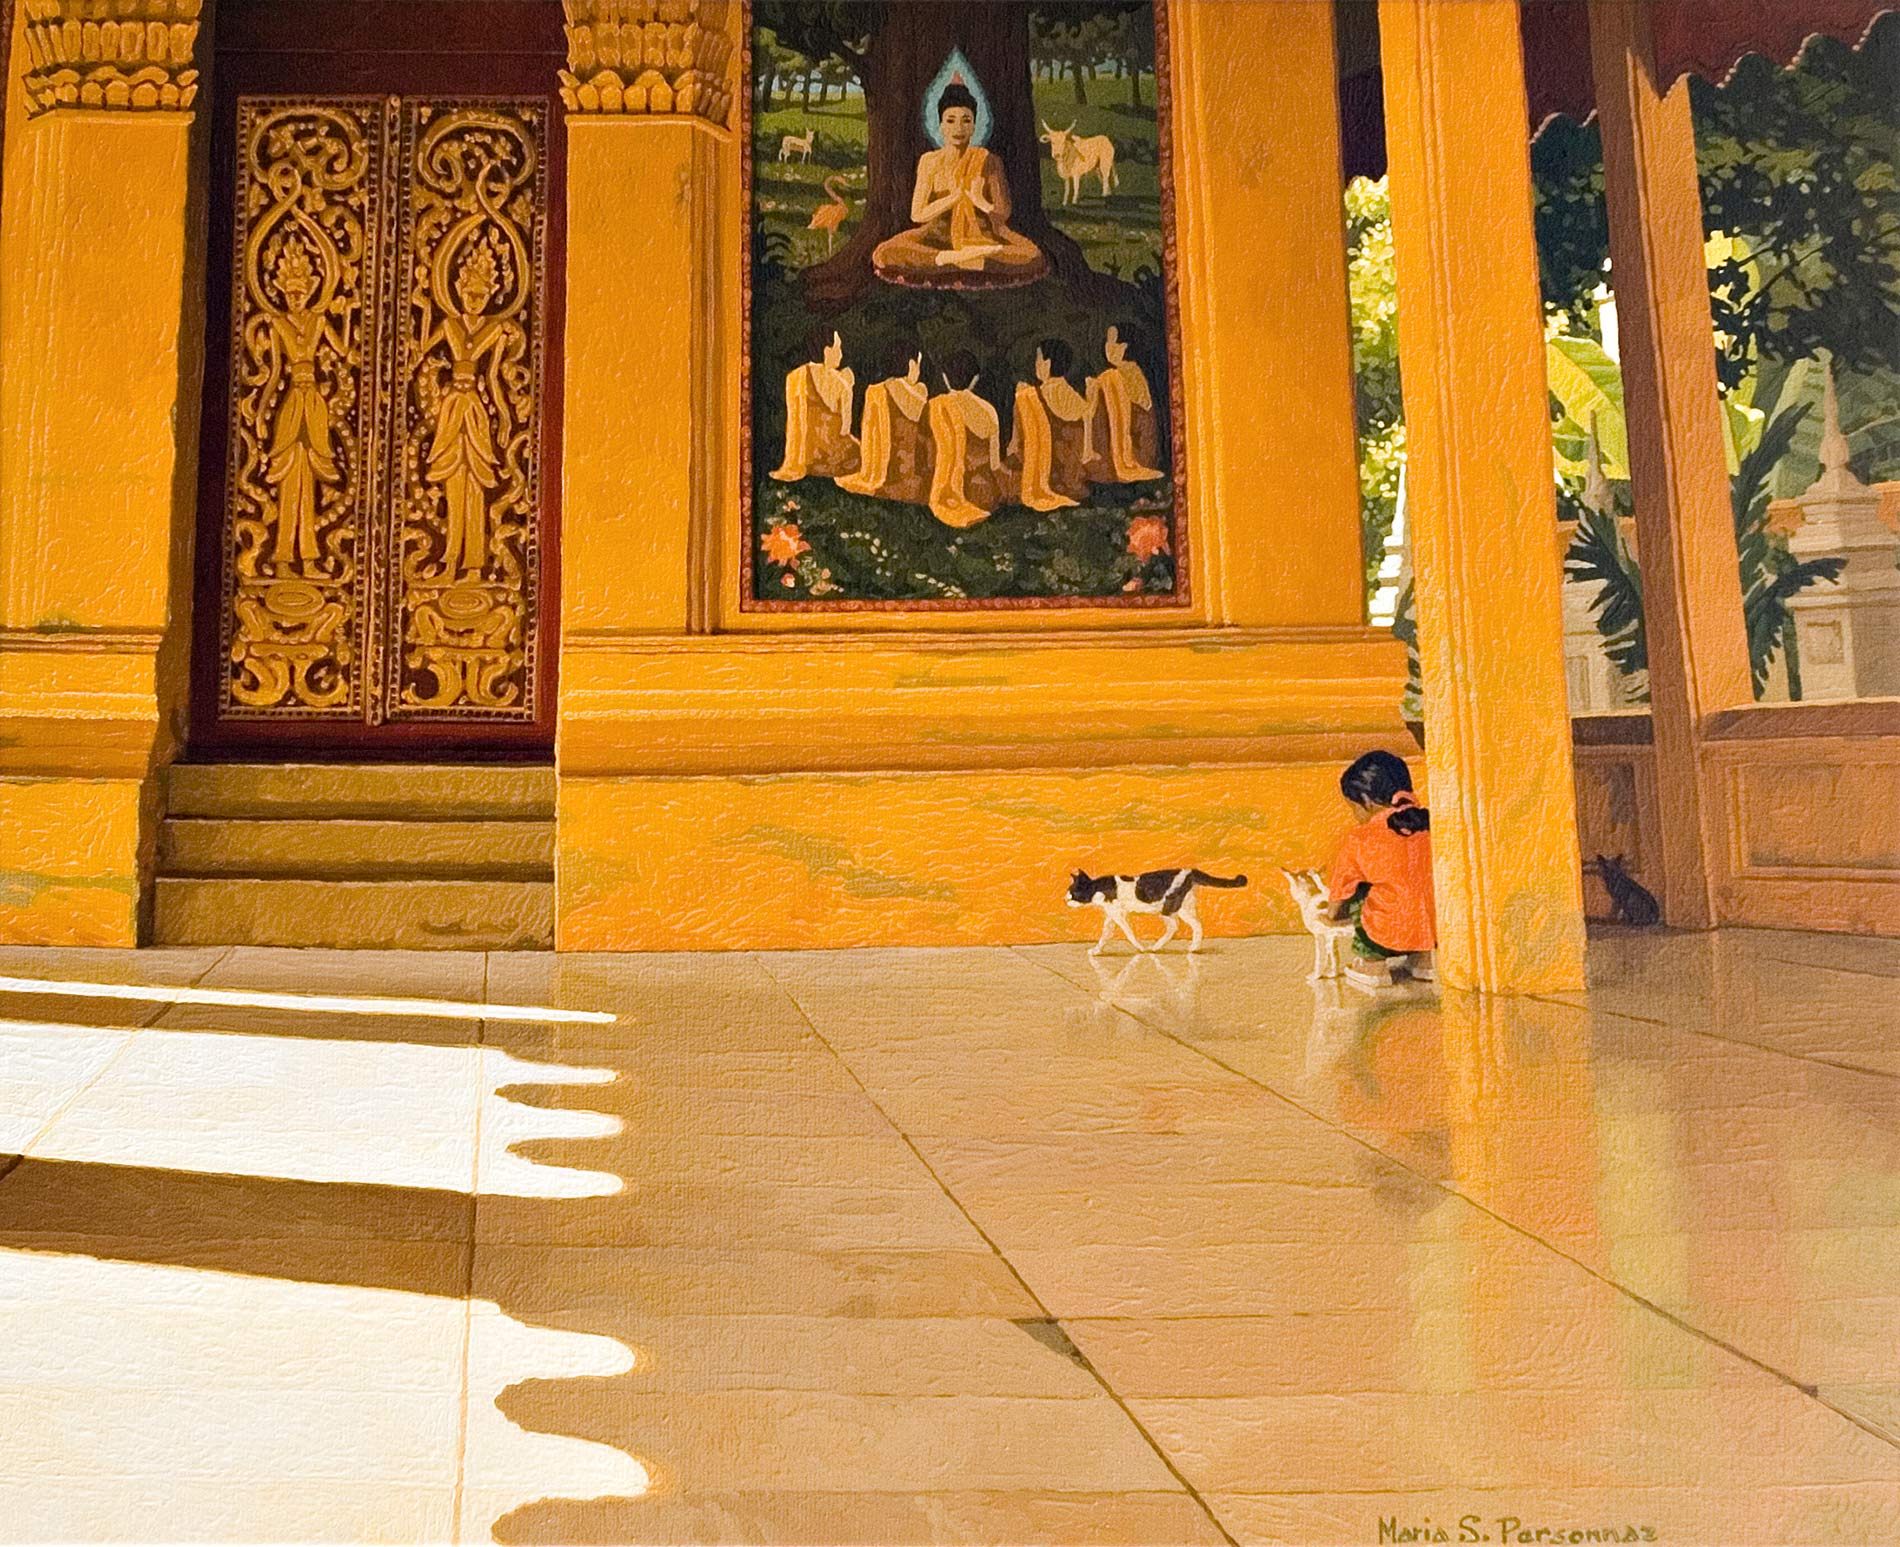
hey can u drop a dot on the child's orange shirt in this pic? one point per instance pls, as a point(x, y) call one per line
point(1398, 912)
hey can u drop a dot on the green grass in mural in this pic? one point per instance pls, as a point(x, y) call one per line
point(1119, 235)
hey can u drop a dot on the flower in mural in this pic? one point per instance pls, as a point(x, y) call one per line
point(1147, 536)
point(782, 544)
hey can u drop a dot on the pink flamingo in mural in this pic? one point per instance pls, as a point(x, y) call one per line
point(828, 217)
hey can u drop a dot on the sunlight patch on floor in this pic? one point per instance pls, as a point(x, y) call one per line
point(321, 1004)
point(146, 1403)
point(307, 1109)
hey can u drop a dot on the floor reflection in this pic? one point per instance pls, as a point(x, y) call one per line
point(973, 1246)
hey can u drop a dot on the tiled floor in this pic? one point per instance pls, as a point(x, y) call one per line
point(992, 1246)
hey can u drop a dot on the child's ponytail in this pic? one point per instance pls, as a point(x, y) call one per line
point(1410, 819)
point(1382, 779)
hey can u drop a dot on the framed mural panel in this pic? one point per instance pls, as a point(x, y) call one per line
point(961, 359)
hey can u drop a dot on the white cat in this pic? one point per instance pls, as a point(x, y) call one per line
point(1169, 893)
point(1332, 937)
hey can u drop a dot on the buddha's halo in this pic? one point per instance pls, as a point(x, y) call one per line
point(956, 67)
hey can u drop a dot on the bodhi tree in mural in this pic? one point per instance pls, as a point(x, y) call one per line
point(961, 362)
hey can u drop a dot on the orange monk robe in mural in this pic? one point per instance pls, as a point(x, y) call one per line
point(818, 406)
point(1047, 443)
point(894, 443)
point(1121, 412)
point(969, 478)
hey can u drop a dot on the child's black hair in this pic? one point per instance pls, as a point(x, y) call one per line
point(1378, 779)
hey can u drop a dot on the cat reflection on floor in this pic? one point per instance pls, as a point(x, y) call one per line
point(1161, 992)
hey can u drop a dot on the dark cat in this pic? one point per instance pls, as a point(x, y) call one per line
point(1169, 893)
point(1634, 902)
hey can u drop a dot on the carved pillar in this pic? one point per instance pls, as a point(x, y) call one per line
point(1481, 498)
point(98, 410)
point(1692, 596)
point(647, 344)
point(650, 424)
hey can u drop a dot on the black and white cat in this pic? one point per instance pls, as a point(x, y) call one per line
point(1169, 893)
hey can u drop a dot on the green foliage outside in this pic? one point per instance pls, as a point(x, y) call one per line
point(1802, 202)
point(1375, 359)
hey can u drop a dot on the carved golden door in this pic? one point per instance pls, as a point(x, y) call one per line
point(381, 529)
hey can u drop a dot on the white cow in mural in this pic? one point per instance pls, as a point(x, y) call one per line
point(1076, 158)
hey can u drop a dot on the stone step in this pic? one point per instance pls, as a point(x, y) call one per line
point(356, 848)
point(388, 791)
point(421, 915)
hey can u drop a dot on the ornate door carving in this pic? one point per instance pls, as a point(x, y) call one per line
point(380, 523)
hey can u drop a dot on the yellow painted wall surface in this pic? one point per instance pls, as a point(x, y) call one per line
point(932, 779)
point(966, 858)
point(723, 792)
point(69, 870)
point(94, 251)
point(97, 425)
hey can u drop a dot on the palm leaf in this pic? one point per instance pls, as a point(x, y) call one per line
point(1771, 576)
point(1598, 556)
point(1585, 381)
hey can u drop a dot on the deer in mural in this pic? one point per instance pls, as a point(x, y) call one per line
point(799, 145)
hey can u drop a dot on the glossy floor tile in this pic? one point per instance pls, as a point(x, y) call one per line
point(986, 1246)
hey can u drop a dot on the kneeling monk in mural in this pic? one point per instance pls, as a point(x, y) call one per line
point(968, 477)
point(1118, 442)
point(1048, 440)
point(818, 412)
point(893, 446)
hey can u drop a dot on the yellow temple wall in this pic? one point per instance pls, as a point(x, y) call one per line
point(98, 415)
point(734, 779)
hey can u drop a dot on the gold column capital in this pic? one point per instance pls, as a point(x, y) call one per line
point(670, 57)
point(111, 54)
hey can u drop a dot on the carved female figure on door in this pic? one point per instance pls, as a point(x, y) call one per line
point(301, 453)
point(462, 462)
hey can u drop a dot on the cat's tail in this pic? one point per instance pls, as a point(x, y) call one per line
point(1202, 878)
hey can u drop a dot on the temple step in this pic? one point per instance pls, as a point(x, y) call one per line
point(462, 792)
point(377, 856)
point(398, 915)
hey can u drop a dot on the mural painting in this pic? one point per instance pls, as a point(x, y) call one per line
point(961, 370)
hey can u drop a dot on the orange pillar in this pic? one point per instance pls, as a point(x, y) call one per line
point(1482, 501)
point(1275, 456)
point(1692, 595)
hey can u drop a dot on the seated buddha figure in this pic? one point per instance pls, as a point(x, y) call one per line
point(894, 443)
point(818, 409)
point(968, 478)
point(961, 207)
point(1046, 444)
point(1122, 414)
